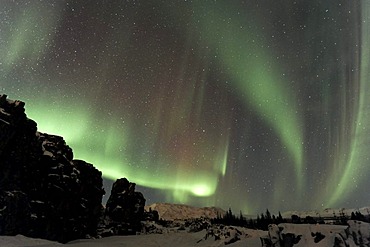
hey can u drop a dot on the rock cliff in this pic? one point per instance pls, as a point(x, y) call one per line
point(43, 192)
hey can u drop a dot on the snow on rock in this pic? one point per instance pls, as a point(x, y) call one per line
point(188, 225)
point(356, 233)
point(168, 211)
point(274, 235)
point(300, 235)
point(359, 232)
point(233, 236)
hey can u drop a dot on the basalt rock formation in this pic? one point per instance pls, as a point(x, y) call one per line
point(44, 193)
point(124, 210)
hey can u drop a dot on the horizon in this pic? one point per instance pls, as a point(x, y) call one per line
point(246, 105)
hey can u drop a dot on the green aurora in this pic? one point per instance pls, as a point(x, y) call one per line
point(190, 100)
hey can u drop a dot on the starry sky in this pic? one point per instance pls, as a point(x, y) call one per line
point(243, 104)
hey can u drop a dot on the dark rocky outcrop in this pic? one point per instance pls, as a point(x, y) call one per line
point(151, 215)
point(227, 234)
point(356, 233)
point(14, 206)
point(124, 210)
point(44, 193)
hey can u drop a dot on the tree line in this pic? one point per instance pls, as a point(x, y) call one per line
point(263, 220)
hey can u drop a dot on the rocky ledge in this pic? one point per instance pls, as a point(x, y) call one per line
point(45, 193)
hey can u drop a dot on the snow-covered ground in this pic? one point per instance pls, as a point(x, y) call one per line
point(178, 234)
point(299, 235)
point(19, 240)
point(180, 239)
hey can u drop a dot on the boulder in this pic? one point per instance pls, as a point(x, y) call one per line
point(125, 208)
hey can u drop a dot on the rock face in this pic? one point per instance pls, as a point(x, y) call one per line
point(125, 209)
point(356, 233)
point(169, 211)
point(44, 193)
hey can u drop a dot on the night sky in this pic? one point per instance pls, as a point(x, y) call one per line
point(243, 104)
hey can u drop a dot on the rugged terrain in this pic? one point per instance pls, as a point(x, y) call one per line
point(353, 235)
point(45, 193)
point(168, 211)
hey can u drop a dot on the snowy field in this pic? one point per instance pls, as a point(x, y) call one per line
point(181, 239)
point(355, 233)
point(308, 235)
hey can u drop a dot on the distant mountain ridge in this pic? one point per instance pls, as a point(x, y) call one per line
point(172, 211)
point(328, 212)
point(168, 211)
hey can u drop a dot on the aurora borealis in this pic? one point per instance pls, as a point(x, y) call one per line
point(243, 104)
